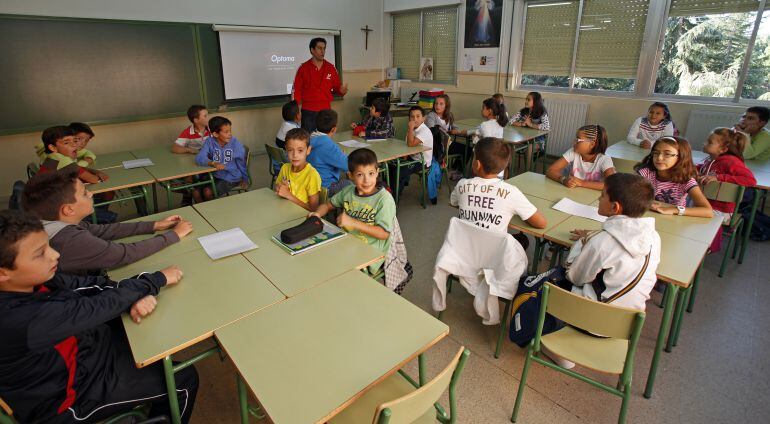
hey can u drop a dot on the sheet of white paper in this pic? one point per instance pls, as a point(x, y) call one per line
point(578, 209)
point(226, 243)
point(137, 163)
point(354, 144)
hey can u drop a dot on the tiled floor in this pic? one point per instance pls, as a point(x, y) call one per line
point(719, 372)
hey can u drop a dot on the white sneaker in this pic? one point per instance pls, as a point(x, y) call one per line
point(558, 360)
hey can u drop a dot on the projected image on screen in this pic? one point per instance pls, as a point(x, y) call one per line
point(260, 64)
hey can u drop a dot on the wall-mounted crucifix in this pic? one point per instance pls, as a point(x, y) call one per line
point(366, 31)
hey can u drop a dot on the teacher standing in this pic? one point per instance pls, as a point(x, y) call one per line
point(314, 84)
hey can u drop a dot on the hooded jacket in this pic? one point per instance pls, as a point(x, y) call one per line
point(619, 250)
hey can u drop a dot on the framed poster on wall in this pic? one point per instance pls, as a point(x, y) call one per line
point(483, 21)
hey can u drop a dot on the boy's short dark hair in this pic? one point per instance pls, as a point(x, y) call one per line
point(422, 111)
point(762, 112)
point(361, 157)
point(326, 120)
point(216, 123)
point(52, 134)
point(493, 154)
point(298, 134)
point(315, 41)
point(290, 110)
point(79, 127)
point(14, 226)
point(46, 192)
point(193, 111)
point(381, 106)
point(632, 191)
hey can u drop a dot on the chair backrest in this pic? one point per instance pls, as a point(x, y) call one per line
point(724, 192)
point(408, 408)
point(276, 153)
point(595, 317)
point(32, 169)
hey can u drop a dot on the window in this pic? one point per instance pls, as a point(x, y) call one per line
point(608, 35)
point(427, 33)
point(705, 47)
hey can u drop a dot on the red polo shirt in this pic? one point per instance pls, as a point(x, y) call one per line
point(313, 87)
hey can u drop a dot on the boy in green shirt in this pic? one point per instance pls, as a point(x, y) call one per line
point(753, 122)
point(368, 209)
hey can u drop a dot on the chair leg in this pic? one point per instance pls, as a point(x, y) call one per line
point(673, 333)
point(503, 324)
point(243, 400)
point(624, 405)
point(731, 239)
point(398, 180)
point(522, 384)
point(737, 236)
point(423, 186)
point(694, 289)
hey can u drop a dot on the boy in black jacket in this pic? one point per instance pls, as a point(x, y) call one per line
point(61, 360)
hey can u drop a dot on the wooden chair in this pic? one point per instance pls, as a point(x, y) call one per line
point(728, 192)
point(399, 399)
point(613, 354)
point(422, 173)
point(276, 156)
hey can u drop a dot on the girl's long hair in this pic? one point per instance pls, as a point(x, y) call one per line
point(683, 170)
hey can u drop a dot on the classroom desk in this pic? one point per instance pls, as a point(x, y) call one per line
point(119, 179)
point(626, 151)
point(308, 357)
point(511, 134)
point(386, 150)
point(169, 166)
point(538, 185)
point(251, 211)
point(297, 273)
point(106, 161)
point(190, 243)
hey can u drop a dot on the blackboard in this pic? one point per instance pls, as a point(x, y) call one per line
point(54, 71)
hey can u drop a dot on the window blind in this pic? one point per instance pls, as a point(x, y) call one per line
point(439, 41)
point(611, 35)
point(711, 7)
point(549, 37)
point(406, 44)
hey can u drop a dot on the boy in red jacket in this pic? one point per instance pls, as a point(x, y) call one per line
point(314, 84)
point(63, 357)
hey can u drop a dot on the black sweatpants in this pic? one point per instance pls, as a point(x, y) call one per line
point(124, 387)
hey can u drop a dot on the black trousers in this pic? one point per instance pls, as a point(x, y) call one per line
point(308, 120)
point(127, 387)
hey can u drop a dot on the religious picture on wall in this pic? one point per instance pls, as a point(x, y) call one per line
point(426, 68)
point(483, 19)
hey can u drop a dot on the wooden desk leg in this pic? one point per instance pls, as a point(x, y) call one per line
point(665, 325)
point(173, 401)
point(758, 194)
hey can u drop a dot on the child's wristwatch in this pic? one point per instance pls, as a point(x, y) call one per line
point(680, 210)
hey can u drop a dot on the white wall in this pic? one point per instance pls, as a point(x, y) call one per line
point(349, 16)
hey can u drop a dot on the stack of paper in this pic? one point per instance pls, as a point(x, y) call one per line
point(354, 144)
point(226, 243)
point(137, 163)
point(578, 209)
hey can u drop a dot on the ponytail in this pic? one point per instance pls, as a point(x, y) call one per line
point(498, 110)
point(734, 141)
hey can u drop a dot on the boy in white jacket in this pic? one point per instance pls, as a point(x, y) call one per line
point(620, 249)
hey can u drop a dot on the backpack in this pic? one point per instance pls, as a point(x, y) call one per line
point(14, 202)
point(440, 141)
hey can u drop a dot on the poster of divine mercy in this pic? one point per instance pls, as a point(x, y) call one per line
point(483, 20)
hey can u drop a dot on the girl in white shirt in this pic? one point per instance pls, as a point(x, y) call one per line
point(589, 166)
point(495, 115)
point(646, 129)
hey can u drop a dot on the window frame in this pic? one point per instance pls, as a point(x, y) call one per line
point(649, 58)
point(454, 8)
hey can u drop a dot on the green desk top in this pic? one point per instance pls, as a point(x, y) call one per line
point(308, 357)
point(625, 150)
point(538, 185)
point(515, 135)
point(250, 211)
point(211, 295)
point(698, 229)
point(680, 256)
point(120, 178)
point(167, 165)
point(111, 160)
point(385, 150)
point(294, 274)
point(187, 244)
point(552, 217)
